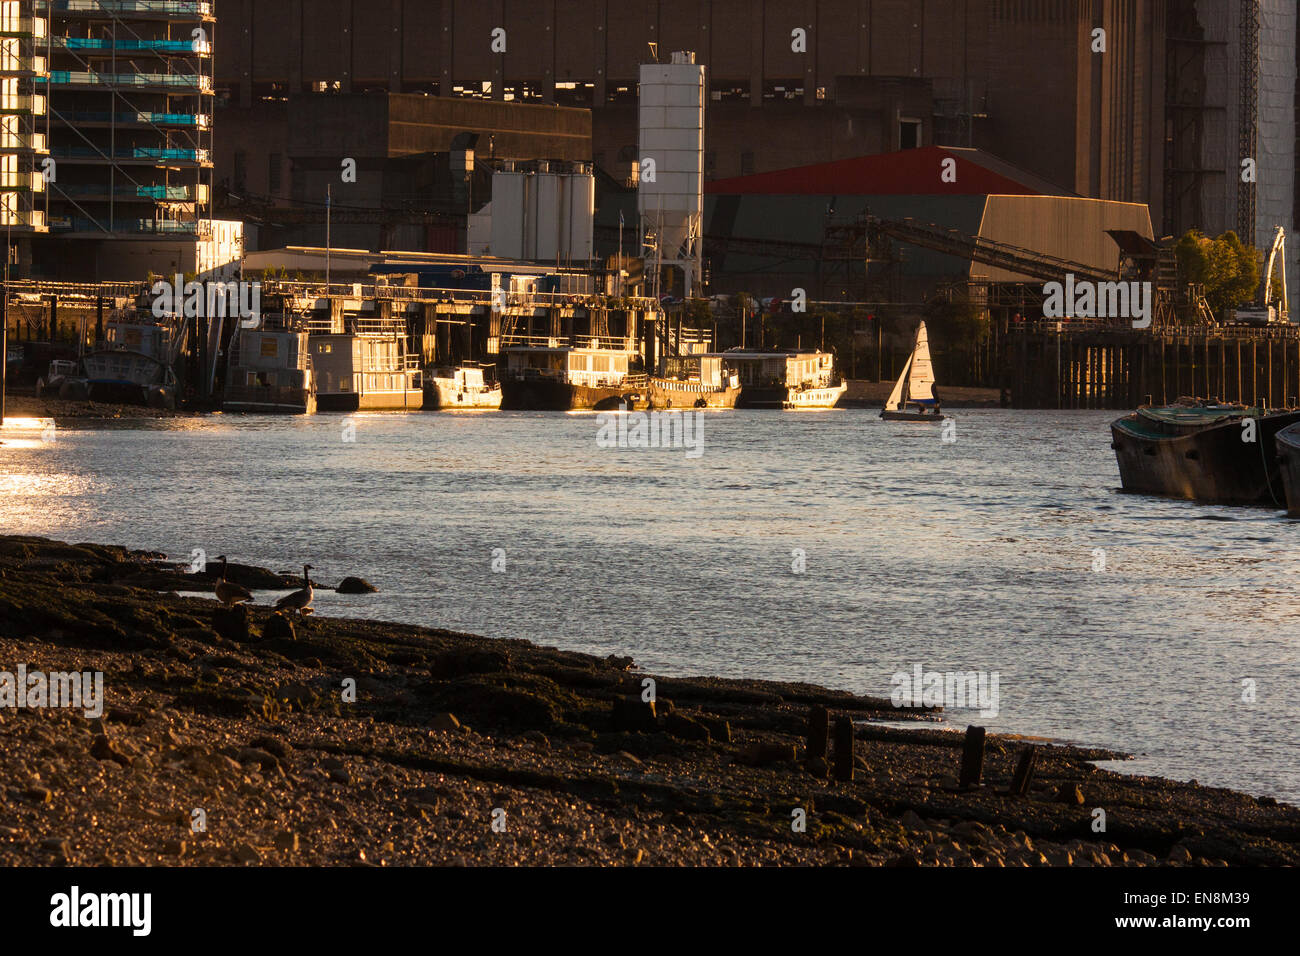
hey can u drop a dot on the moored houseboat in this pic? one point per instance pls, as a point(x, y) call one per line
point(366, 368)
point(786, 378)
point(698, 381)
point(564, 377)
point(1202, 451)
point(269, 370)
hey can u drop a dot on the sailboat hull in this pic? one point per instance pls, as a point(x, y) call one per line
point(891, 416)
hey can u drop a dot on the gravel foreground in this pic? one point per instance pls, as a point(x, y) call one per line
point(466, 750)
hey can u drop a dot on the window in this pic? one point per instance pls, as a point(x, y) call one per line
point(909, 133)
point(241, 169)
point(747, 163)
point(274, 163)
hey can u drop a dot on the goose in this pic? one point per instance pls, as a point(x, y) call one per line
point(299, 600)
point(227, 592)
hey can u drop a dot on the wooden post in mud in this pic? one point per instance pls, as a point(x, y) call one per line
point(843, 749)
point(972, 758)
point(1024, 771)
point(819, 727)
point(4, 348)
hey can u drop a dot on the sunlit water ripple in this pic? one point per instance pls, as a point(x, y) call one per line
point(976, 554)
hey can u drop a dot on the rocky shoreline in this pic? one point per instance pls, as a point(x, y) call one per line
point(456, 749)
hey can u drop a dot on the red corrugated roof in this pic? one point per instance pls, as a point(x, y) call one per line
point(908, 172)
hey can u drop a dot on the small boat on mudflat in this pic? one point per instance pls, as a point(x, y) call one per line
point(913, 398)
point(1203, 452)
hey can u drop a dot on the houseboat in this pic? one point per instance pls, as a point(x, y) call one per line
point(788, 378)
point(269, 370)
point(1202, 451)
point(600, 374)
point(366, 368)
point(696, 381)
point(134, 363)
point(460, 386)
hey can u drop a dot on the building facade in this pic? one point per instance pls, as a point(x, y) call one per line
point(791, 82)
point(23, 120)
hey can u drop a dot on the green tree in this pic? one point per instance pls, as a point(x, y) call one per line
point(1227, 267)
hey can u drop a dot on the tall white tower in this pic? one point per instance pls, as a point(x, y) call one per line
point(670, 196)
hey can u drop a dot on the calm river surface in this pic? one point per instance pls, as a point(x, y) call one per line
point(973, 555)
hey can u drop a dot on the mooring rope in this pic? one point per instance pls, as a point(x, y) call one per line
point(1264, 458)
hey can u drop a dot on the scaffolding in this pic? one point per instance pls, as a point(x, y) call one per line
point(23, 120)
point(131, 101)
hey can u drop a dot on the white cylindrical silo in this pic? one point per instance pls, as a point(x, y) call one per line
point(670, 196)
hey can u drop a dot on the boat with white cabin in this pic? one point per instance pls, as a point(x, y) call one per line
point(791, 379)
point(460, 386)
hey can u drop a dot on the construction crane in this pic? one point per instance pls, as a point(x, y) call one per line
point(1272, 311)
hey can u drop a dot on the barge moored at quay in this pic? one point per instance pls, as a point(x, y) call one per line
point(563, 378)
point(1203, 451)
point(269, 369)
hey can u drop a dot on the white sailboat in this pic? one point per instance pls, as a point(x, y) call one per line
point(912, 399)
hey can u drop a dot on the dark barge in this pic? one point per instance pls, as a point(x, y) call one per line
point(1214, 454)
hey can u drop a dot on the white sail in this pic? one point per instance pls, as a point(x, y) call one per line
point(920, 387)
point(896, 396)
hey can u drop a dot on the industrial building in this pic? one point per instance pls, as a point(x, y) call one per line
point(1013, 77)
point(1159, 108)
point(806, 227)
point(419, 165)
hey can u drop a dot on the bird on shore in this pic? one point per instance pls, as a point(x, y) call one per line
point(227, 592)
point(299, 600)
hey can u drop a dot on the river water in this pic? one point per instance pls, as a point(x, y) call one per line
point(827, 547)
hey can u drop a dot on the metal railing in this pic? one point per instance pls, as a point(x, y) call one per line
point(195, 8)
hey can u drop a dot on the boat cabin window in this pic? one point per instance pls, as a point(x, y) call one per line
point(270, 347)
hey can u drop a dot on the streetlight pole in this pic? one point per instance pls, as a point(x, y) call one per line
point(329, 202)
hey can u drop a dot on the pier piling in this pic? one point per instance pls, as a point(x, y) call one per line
point(1024, 771)
point(972, 758)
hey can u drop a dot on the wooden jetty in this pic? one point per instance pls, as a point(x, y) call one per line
point(1073, 365)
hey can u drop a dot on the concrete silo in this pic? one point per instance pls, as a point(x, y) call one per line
point(670, 196)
